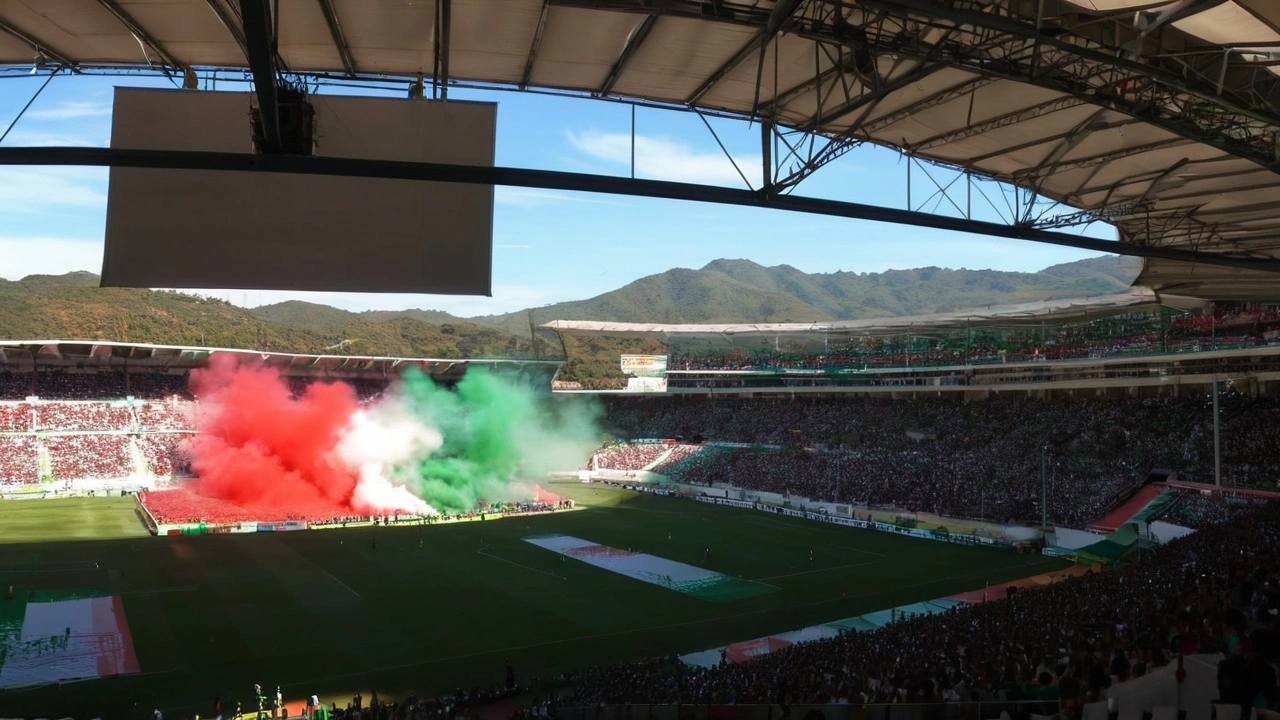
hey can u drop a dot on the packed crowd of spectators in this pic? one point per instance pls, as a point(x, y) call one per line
point(158, 427)
point(415, 707)
point(89, 456)
point(965, 458)
point(1198, 510)
point(19, 460)
point(180, 505)
point(83, 416)
point(628, 456)
point(1223, 326)
point(1213, 591)
point(162, 452)
point(15, 417)
point(59, 384)
point(171, 414)
point(366, 389)
point(14, 385)
point(158, 385)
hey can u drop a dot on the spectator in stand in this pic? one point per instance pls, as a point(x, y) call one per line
point(15, 385)
point(15, 417)
point(60, 384)
point(80, 457)
point(171, 414)
point(971, 459)
point(158, 385)
point(1041, 645)
point(629, 456)
point(82, 416)
point(19, 460)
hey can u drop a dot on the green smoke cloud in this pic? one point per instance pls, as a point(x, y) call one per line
point(496, 433)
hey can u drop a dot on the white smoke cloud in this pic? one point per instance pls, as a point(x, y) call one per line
point(379, 438)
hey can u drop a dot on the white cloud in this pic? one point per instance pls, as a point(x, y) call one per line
point(39, 190)
point(28, 138)
point(663, 159)
point(72, 110)
point(528, 197)
point(25, 256)
point(521, 197)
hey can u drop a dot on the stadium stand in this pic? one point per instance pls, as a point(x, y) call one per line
point(14, 385)
point(162, 453)
point(1067, 642)
point(1225, 325)
point(158, 385)
point(15, 417)
point(89, 456)
point(932, 455)
point(82, 416)
point(1200, 510)
point(172, 413)
point(628, 456)
point(60, 384)
point(19, 460)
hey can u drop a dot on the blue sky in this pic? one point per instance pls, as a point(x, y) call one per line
point(549, 246)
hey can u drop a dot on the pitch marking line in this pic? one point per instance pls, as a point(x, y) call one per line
point(335, 579)
point(816, 570)
point(481, 551)
point(858, 550)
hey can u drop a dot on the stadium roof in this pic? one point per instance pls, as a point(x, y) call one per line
point(1162, 117)
point(1026, 314)
point(86, 353)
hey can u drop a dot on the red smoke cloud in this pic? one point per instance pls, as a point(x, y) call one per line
point(259, 447)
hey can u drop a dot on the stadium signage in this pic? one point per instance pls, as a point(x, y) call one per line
point(942, 534)
point(281, 526)
point(644, 365)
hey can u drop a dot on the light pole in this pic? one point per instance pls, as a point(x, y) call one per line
point(1044, 489)
point(1217, 440)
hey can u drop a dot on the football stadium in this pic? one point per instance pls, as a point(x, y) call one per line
point(1060, 507)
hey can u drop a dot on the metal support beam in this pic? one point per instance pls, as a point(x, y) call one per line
point(41, 47)
point(440, 79)
point(872, 96)
point(335, 33)
point(446, 33)
point(256, 16)
point(1017, 28)
point(629, 48)
point(142, 35)
point(747, 50)
point(1041, 141)
point(1013, 118)
point(580, 182)
point(533, 48)
point(228, 21)
point(933, 100)
point(1151, 19)
point(1107, 157)
point(777, 18)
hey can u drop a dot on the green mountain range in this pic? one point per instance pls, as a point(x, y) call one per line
point(743, 291)
point(71, 306)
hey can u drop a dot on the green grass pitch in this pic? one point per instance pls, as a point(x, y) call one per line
point(435, 608)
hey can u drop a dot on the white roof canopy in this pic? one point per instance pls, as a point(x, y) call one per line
point(1021, 315)
point(1161, 117)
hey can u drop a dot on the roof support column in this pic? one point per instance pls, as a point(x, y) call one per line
point(766, 156)
point(443, 16)
point(259, 41)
